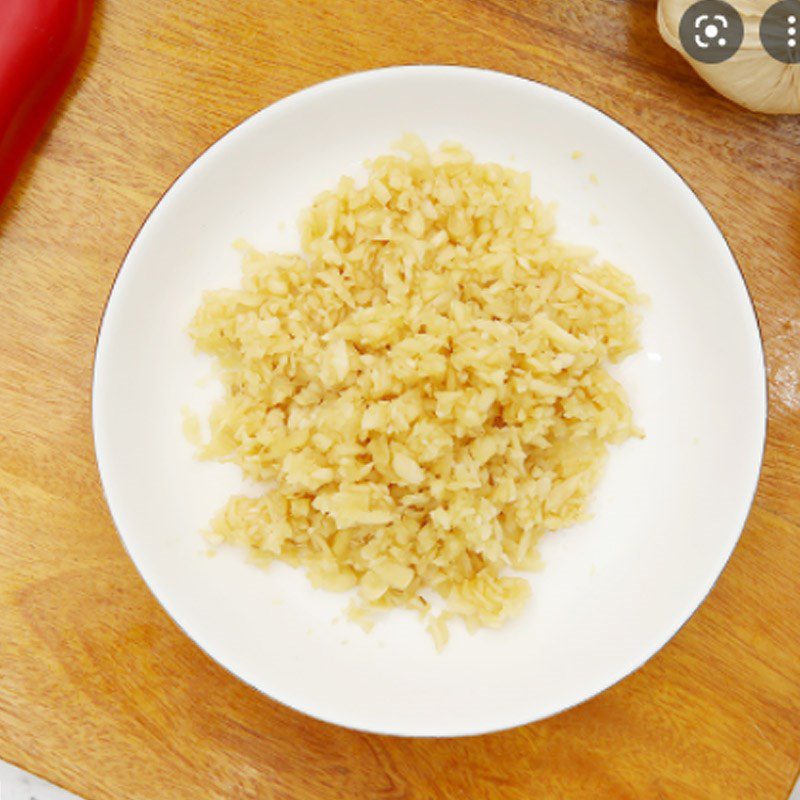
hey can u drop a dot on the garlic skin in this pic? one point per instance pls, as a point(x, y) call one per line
point(751, 77)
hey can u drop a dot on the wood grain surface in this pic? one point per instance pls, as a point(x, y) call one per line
point(99, 690)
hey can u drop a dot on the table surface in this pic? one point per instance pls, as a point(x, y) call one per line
point(16, 784)
point(99, 690)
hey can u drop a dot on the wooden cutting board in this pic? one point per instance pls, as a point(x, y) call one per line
point(99, 690)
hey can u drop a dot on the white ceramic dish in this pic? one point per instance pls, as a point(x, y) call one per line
point(667, 514)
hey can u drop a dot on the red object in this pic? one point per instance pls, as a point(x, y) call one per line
point(41, 43)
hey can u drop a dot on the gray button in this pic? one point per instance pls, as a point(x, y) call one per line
point(711, 31)
point(780, 31)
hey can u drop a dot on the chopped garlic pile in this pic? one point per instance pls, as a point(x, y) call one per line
point(422, 389)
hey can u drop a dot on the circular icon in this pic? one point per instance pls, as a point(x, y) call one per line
point(780, 31)
point(711, 31)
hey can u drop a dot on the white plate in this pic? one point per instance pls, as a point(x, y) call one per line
point(669, 509)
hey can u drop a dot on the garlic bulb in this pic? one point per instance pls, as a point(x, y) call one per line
point(751, 77)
